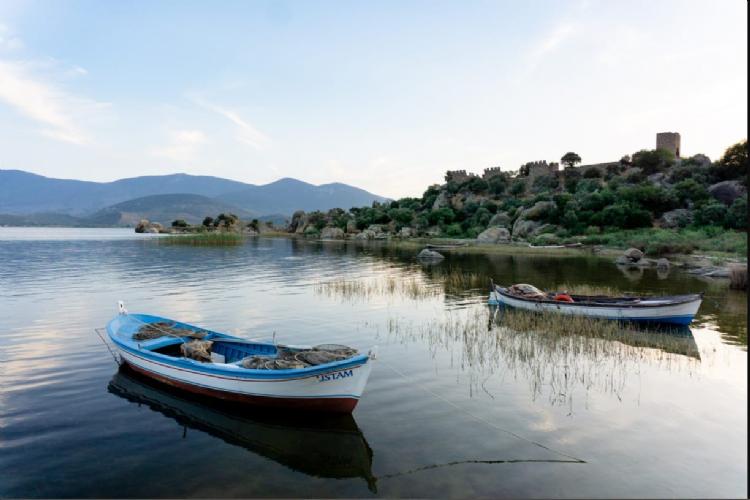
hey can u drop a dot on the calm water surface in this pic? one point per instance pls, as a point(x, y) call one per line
point(454, 407)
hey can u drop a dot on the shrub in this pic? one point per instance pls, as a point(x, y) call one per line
point(208, 221)
point(592, 173)
point(453, 230)
point(690, 190)
point(441, 216)
point(518, 187)
point(179, 223)
point(712, 214)
point(737, 214)
point(497, 184)
point(653, 161)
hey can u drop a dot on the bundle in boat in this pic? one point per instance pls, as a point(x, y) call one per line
point(287, 358)
point(199, 350)
point(163, 329)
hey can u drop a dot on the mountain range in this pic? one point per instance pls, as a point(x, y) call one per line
point(31, 199)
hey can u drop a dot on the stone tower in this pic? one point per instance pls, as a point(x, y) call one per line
point(669, 141)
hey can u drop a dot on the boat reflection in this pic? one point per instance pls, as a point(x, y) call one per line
point(330, 446)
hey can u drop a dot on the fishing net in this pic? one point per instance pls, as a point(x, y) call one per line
point(288, 358)
point(161, 329)
point(199, 350)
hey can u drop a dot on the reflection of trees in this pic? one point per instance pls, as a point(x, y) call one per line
point(555, 357)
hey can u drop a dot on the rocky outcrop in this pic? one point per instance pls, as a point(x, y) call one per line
point(494, 235)
point(500, 219)
point(429, 255)
point(441, 201)
point(407, 232)
point(727, 191)
point(332, 233)
point(524, 228)
point(658, 179)
point(298, 222)
point(680, 217)
point(144, 226)
point(538, 210)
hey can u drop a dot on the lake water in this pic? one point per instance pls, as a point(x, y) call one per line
point(456, 406)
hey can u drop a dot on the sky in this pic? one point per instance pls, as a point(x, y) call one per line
point(383, 95)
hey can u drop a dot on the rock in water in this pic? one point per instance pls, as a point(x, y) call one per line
point(633, 254)
point(494, 235)
point(662, 264)
point(428, 254)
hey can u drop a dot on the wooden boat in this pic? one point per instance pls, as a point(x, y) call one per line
point(330, 446)
point(331, 386)
point(674, 309)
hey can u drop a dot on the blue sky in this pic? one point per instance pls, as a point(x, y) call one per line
point(382, 95)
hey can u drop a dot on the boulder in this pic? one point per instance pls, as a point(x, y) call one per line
point(701, 159)
point(428, 254)
point(662, 264)
point(523, 228)
point(407, 232)
point(299, 220)
point(679, 217)
point(659, 179)
point(332, 233)
point(500, 219)
point(727, 191)
point(539, 210)
point(142, 226)
point(633, 254)
point(441, 201)
point(494, 235)
point(367, 234)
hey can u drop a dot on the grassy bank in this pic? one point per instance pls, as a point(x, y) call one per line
point(212, 239)
point(657, 242)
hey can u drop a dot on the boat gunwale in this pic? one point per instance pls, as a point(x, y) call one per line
point(671, 300)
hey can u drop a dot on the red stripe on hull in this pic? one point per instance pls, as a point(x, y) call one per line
point(332, 405)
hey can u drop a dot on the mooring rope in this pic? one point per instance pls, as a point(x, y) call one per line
point(480, 419)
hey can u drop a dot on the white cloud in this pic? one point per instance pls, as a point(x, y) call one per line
point(9, 41)
point(247, 133)
point(550, 42)
point(58, 111)
point(183, 145)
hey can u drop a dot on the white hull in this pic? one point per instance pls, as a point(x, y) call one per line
point(649, 310)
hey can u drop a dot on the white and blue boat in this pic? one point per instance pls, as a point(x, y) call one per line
point(328, 386)
point(673, 309)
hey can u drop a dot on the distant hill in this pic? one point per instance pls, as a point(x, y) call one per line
point(163, 208)
point(25, 193)
point(288, 195)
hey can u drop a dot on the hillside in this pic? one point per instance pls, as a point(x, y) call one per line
point(696, 203)
point(289, 195)
point(163, 208)
point(24, 193)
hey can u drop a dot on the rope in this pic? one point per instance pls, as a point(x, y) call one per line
point(114, 355)
point(480, 419)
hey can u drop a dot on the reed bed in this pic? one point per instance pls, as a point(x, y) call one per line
point(212, 239)
point(395, 286)
point(738, 277)
point(557, 358)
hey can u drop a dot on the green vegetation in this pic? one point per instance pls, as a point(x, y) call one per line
point(651, 200)
point(207, 239)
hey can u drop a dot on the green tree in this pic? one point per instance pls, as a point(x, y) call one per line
point(737, 214)
point(733, 165)
point(653, 161)
point(570, 159)
point(712, 214)
point(208, 221)
point(179, 223)
point(518, 187)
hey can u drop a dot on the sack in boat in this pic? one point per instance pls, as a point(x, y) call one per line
point(315, 357)
point(528, 291)
point(199, 350)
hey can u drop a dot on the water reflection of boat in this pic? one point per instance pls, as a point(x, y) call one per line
point(331, 446)
point(669, 338)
